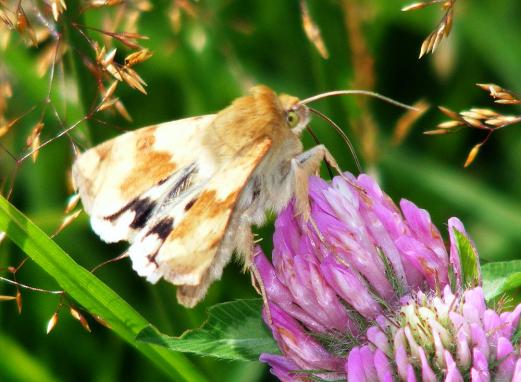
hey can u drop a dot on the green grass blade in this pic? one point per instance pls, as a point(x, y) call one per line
point(89, 291)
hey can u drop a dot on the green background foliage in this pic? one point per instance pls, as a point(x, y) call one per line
point(200, 70)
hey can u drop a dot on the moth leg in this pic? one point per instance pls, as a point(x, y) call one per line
point(258, 284)
point(300, 179)
point(244, 244)
point(313, 157)
point(304, 165)
point(300, 176)
point(310, 160)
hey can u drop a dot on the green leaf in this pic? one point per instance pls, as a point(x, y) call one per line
point(234, 330)
point(96, 297)
point(502, 278)
point(469, 260)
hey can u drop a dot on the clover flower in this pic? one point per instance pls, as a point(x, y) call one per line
point(365, 291)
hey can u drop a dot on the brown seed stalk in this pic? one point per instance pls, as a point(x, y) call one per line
point(312, 30)
point(443, 28)
point(480, 118)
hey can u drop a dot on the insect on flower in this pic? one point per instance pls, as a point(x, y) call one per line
point(185, 193)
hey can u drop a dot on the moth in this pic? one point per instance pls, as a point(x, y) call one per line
point(186, 193)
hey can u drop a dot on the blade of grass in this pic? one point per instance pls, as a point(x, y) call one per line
point(89, 291)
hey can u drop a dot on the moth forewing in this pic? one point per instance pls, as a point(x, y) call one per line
point(222, 226)
point(185, 193)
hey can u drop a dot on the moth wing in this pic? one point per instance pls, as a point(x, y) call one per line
point(199, 245)
point(120, 181)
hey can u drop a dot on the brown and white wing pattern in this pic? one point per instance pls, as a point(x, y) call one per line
point(163, 189)
point(122, 180)
point(193, 252)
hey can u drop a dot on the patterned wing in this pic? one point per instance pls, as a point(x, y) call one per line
point(122, 181)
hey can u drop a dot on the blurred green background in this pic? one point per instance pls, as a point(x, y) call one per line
point(218, 50)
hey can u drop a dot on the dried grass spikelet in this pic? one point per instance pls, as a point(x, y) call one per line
point(6, 26)
point(107, 70)
point(51, 324)
point(18, 299)
point(103, 3)
point(312, 30)
point(101, 321)
point(23, 26)
point(125, 17)
point(42, 34)
point(33, 140)
point(174, 16)
point(110, 102)
point(404, 124)
point(480, 118)
point(14, 17)
point(50, 55)
point(137, 57)
point(72, 202)
point(110, 90)
point(133, 79)
point(5, 36)
point(5, 19)
point(443, 28)
point(127, 38)
point(501, 95)
point(176, 11)
point(107, 104)
point(57, 8)
point(122, 72)
point(5, 93)
point(472, 154)
point(122, 110)
point(67, 220)
point(75, 313)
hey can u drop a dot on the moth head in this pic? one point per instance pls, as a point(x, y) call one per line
point(295, 113)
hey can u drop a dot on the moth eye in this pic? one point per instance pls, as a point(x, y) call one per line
point(292, 118)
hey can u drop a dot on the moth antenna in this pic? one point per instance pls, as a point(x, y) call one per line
point(342, 134)
point(124, 255)
point(315, 138)
point(357, 92)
